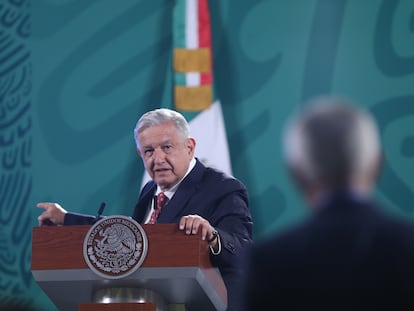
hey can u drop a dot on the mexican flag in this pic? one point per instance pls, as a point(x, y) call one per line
point(193, 83)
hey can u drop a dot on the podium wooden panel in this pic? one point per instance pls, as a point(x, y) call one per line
point(177, 267)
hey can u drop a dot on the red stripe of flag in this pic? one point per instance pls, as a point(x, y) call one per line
point(204, 35)
point(204, 38)
point(206, 78)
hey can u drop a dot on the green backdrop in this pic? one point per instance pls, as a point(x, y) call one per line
point(75, 75)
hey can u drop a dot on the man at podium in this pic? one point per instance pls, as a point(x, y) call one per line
point(200, 199)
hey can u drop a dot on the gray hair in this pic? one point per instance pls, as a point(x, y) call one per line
point(332, 142)
point(158, 117)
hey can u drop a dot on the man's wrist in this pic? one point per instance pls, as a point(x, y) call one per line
point(214, 236)
point(215, 243)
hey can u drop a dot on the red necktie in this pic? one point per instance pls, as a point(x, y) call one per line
point(162, 199)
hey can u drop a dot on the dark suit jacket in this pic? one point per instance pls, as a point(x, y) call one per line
point(348, 256)
point(220, 199)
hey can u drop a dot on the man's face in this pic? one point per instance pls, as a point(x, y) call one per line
point(166, 153)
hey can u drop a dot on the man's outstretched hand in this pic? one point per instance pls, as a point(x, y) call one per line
point(53, 214)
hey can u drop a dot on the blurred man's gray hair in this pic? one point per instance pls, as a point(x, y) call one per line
point(332, 142)
point(158, 117)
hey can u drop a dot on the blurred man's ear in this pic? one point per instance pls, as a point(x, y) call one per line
point(297, 177)
point(377, 168)
point(300, 180)
point(368, 178)
point(310, 189)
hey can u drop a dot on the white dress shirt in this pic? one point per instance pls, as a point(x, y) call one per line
point(170, 192)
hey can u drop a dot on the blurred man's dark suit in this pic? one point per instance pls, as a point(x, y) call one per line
point(349, 255)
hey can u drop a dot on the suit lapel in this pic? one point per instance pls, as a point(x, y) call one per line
point(143, 203)
point(185, 191)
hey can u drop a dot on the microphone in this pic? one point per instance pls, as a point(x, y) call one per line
point(100, 211)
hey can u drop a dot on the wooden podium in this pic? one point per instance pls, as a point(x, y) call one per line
point(177, 267)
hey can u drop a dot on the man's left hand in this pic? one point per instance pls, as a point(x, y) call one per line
point(193, 224)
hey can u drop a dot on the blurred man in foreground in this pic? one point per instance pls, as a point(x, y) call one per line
point(200, 199)
point(349, 255)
